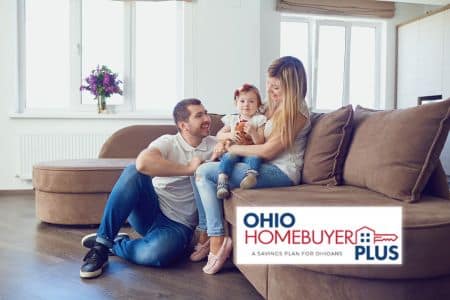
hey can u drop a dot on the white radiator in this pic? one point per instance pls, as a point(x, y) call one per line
point(36, 148)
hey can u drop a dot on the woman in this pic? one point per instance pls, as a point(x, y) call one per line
point(285, 139)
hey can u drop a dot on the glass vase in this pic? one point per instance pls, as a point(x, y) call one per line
point(101, 104)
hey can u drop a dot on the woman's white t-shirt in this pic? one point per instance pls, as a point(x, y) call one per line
point(290, 161)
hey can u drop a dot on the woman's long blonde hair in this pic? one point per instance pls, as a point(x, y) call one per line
point(291, 73)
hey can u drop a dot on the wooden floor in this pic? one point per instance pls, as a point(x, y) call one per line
point(42, 261)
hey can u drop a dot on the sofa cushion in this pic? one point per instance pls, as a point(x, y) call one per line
point(327, 146)
point(78, 175)
point(437, 184)
point(130, 141)
point(426, 226)
point(394, 152)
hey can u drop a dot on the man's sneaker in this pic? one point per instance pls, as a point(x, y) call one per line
point(94, 262)
point(88, 241)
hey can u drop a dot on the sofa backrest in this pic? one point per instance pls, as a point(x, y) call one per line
point(395, 153)
point(327, 146)
point(128, 142)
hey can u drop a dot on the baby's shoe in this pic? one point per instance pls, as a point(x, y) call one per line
point(248, 181)
point(223, 188)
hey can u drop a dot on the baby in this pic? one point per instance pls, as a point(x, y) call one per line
point(245, 128)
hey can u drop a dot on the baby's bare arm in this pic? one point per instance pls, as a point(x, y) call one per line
point(224, 133)
point(257, 134)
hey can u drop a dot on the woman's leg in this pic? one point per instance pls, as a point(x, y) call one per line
point(201, 228)
point(254, 163)
point(206, 180)
point(269, 176)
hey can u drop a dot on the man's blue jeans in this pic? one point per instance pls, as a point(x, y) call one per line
point(133, 197)
point(228, 160)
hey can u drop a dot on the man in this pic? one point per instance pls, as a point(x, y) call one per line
point(156, 196)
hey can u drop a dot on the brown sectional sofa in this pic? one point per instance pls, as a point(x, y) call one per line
point(368, 158)
point(354, 158)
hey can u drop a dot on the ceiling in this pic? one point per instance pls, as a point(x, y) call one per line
point(427, 2)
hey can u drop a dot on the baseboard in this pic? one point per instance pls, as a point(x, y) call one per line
point(16, 192)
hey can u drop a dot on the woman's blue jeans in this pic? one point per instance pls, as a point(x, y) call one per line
point(163, 240)
point(228, 161)
point(210, 208)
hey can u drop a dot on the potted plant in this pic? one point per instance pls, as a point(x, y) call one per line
point(102, 83)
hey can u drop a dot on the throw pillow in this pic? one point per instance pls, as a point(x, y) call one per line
point(394, 152)
point(327, 147)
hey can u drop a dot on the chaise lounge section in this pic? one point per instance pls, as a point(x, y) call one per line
point(74, 192)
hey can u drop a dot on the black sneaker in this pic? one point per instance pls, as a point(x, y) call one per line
point(94, 262)
point(88, 241)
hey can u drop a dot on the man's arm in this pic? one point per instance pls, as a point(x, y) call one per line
point(151, 162)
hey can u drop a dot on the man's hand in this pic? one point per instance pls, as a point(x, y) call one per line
point(219, 147)
point(227, 145)
point(194, 163)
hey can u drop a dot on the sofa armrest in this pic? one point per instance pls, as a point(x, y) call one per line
point(128, 142)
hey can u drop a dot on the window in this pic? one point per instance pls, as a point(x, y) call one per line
point(341, 59)
point(61, 41)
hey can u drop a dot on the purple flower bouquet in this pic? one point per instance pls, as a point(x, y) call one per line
point(102, 83)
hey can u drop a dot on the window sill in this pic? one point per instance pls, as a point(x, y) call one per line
point(89, 115)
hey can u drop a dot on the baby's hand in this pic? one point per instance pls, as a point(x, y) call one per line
point(238, 137)
point(249, 129)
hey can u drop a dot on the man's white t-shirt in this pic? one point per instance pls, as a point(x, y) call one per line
point(176, 197)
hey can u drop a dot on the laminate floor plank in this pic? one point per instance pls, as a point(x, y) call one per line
point(42, 261)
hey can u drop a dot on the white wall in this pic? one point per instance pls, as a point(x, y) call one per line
point(270, 38)
point(404, 12)
point(233, 41)
point(226, 50)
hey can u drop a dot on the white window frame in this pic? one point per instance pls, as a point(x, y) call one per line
point(309, 68)
point(314, 24)
point(77, 78)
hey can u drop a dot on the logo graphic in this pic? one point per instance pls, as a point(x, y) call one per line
point(318, 235)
